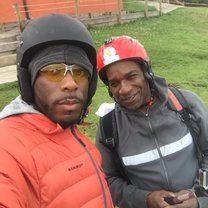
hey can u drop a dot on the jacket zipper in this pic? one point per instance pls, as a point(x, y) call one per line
point(94, 164)
point(158, 148)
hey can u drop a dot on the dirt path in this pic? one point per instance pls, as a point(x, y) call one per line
point(165, 6)
point(8, 74)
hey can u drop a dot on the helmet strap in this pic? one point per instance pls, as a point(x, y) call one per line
point(25, 87)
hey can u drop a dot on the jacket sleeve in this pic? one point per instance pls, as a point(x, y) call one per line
point(123, 193)
point(200, 116)
point(12, 195)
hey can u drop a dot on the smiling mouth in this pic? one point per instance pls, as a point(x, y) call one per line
point(129, 99)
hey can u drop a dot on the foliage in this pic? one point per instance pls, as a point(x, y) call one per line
point(177, 44)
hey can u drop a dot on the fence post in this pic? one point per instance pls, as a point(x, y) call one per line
point(17, 12)
point(146, 8)
point(2, 29)
point(119, 11)
point(77, 8)
point(160, 7)
point(27, 15)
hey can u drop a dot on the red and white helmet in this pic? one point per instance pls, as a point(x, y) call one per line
point(118, 49)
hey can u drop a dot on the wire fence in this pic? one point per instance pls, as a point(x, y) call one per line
point(70, 7)
point(91, 12)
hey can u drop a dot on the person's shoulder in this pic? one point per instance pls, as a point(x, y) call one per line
point(187, 91)
point(193, 98)
point(188, 94)
point(8, 121)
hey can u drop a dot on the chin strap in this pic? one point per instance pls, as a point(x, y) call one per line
point(149, 103)
point(83, 115)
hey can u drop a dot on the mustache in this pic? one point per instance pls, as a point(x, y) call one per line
point(69, 99)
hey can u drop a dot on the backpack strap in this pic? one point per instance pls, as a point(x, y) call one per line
point(109, 138)
point(177, 102)
point(107, 125)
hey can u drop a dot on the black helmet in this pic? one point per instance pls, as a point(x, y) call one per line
point(50, 30)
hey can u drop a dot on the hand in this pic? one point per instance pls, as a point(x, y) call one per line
point(156, 199)
point(184, 199)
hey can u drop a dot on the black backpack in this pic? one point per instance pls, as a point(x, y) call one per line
point(176, 102)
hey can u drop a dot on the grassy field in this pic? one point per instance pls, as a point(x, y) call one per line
point(135, 6)
point(178, 47)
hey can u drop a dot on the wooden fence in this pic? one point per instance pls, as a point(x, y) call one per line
point(109, 17)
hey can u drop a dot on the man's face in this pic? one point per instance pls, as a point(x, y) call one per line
point(128, 85)
point(62, 101)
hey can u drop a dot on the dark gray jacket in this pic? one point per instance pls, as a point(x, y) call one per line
point(156, 149)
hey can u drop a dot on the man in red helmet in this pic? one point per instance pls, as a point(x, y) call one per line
point(45, 161)
point(151, 161)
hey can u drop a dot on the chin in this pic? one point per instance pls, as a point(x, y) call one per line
point(66, 124)
point(132, 107)
point(67, 121)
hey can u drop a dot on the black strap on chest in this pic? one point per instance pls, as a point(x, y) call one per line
point(107, 125)
point(109, 137)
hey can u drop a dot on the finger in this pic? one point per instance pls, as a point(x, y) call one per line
point(164, 204)
point(190, 203)
point(185, 197)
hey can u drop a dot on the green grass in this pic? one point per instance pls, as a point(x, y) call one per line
point(178, 47)
point(7, 93)
point(135, 6)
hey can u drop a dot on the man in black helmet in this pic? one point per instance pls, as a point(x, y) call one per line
point(45, 161)
point(152, 158)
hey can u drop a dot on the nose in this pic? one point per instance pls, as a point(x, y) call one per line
point(124, 88)
point(68, 83)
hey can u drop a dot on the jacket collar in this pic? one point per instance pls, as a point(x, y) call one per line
point(17, 106)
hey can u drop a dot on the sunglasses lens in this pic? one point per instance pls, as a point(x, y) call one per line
point(53, 72)
point(80, 74)
point(56, 72)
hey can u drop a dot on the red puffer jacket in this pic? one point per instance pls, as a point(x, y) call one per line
point(43, 165)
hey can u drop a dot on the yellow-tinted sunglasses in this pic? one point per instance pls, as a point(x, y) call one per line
point(56, 72)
